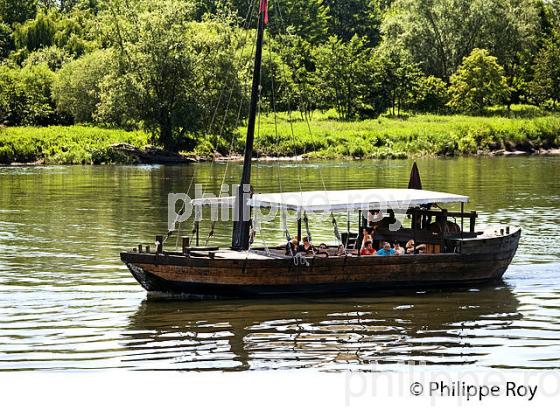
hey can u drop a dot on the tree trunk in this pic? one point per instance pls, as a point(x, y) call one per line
point(166, 135)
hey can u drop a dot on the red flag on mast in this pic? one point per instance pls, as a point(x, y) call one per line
point(263, 8)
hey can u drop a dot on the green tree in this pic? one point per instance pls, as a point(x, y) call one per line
point(171, 73)
point(6, 42)
point(36, 82)
point(276, 80)
point(53, 56)
point(431, 95)
point(36, 33)
point(77, 31)
point(17, 11)
point(77, 86)
point(66, 5)
point(343, 73)
point(546, 78)
point(512, 35)
point(397, 75)
point(478, 83)
point(355, 17)
point(553, 11)
point(309, 19)
point(12, 99)
point(25, 95)
point(298, 57)
point(438, 33)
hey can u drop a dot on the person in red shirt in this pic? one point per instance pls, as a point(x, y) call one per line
point(368, 249)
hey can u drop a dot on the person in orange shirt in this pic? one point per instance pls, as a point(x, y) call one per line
point(368, 249)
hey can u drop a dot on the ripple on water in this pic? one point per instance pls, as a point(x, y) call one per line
point(66, 301)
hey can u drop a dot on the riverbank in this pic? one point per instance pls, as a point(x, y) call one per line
point(412, 136)
point(290, 137)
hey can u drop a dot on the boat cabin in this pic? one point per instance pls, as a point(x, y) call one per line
point(432, 228)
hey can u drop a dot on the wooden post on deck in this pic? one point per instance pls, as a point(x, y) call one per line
point(473, 220)
point(186, 241)
point(442, 240)
point(348, 222)
point(462, 218)
point(159, 244)
point(359, 221)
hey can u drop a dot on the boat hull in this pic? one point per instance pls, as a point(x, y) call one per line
point(479, 261)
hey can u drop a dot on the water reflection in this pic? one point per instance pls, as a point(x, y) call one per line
point(362, 332)
point(67, 302)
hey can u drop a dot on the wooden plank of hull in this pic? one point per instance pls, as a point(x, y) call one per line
point(265, 277)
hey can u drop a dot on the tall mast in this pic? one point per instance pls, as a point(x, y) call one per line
point(242, 222)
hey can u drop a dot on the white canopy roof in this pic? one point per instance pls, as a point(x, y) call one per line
point(355, 199)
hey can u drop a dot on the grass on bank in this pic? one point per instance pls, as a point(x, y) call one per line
point(415, 135)
point(65, 144)
point(326, 137)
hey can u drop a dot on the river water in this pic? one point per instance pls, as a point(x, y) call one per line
point(67, 302)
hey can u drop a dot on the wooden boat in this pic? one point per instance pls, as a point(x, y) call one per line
point(451, 255)
point(475, 258)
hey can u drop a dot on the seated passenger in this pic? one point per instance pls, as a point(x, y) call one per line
point(341, 251)
point(387, 221)
point(292, 247)
point(441, 225)
point(368, 249)
point(386, 251)
point(399, 250)
point(307, 247)
point(323, 250)
point(411, 248)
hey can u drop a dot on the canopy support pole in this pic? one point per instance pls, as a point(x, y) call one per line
point(359, 239)
point(196, 225)
point(462, 218)
point(414, 227)
point(299, 227)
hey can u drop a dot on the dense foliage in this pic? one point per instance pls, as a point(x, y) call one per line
point(180, 69)
point(478, 82)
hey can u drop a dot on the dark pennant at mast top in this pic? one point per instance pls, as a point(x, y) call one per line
point(242, 223)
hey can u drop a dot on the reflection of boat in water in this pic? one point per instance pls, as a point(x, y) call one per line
point(454, 256)
point(436, 327)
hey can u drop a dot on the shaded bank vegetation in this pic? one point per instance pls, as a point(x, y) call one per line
point(377, 78)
